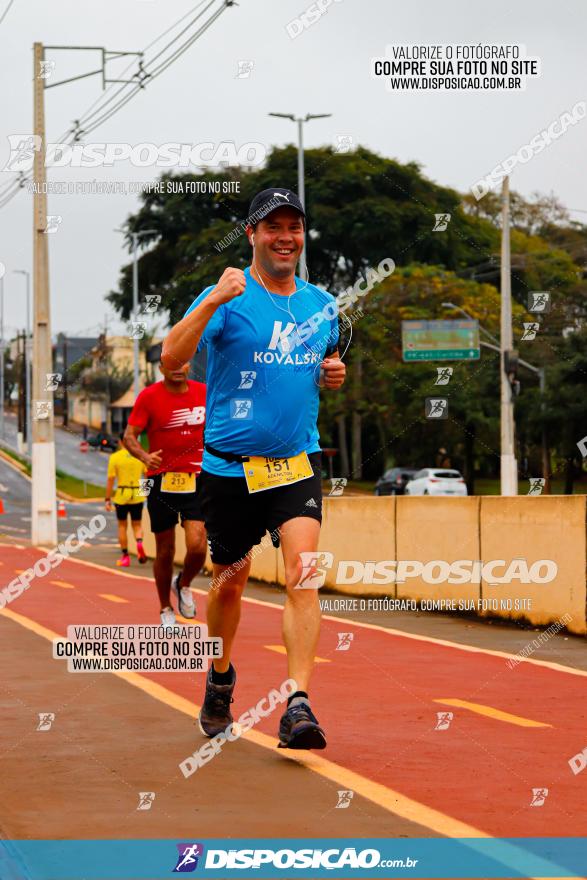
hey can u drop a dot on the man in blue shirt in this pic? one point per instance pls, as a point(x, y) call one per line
point(272, 343)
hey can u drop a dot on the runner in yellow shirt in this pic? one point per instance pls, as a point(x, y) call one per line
point(127, 471)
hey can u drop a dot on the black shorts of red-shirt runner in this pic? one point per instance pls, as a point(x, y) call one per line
point(236, 520)
point(166, 509)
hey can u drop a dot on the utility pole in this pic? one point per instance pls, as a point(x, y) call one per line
point(494, 345)
point(301, 185)
point(43, 508)
point(509, 465)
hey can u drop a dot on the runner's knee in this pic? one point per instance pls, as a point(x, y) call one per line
point(293, 573)
point(231, 588)
point(197, 543)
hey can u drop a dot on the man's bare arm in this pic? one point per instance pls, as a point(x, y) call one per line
point(182, 340)
point(131, 442)
point(108, 496)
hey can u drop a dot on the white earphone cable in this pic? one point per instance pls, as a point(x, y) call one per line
point(292, 316)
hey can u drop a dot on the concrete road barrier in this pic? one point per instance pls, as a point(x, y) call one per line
point(367, 537)
point(437, 528)
point(550, 527)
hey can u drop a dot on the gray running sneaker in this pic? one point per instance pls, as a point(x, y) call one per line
point(299, 728)
point(215, 715)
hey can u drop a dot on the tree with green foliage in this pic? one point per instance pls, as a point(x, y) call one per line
point(362, 208)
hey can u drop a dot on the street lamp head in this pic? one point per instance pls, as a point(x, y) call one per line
point(317, 116)
point(134, 236)
point(284, 116)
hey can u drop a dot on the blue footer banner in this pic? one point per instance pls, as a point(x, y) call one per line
point(288, 858)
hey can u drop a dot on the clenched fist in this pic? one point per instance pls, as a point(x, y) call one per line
point(334, 372)
point(231, 284)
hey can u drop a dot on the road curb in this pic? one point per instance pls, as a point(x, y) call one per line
point(64, 496)
point(15, 465)
point(72, 498)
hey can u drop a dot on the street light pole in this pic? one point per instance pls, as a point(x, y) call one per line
point(27, 360)
point(135, 295)
point(509, 465)
point(301, 183)
point(471, 318)
point(302, 195)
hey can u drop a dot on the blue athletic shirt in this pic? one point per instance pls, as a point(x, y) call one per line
point(263, 372)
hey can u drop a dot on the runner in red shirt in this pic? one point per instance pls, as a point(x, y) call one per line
point(172, 412)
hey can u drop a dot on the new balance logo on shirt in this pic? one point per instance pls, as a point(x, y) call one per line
point(180, 417)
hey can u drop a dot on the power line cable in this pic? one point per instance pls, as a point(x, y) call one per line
point(8, 195)
point(86, 116)
point(158, 71)
point(5, 13)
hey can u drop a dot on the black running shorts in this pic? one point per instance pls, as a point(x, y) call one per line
point(135, 511)
point(236, 520)
point(167, 508)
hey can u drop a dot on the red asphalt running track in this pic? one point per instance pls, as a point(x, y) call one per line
point(376, 702)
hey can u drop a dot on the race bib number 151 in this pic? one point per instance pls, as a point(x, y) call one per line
point(263, 473)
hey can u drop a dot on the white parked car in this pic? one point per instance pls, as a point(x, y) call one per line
point(436, 481)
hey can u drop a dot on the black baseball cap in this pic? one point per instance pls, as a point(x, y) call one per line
point(269, 200)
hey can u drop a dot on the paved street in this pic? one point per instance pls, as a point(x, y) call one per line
point(90, 466)
point(15, 492)
point(507, 731)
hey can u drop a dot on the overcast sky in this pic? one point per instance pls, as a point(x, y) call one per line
point(456, 136)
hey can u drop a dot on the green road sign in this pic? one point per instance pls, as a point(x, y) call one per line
point(440, 340)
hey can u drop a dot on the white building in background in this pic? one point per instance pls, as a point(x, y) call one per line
point(95, 410)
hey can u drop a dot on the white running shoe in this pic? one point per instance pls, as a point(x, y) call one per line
point(185, 600)
point(168, 618)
